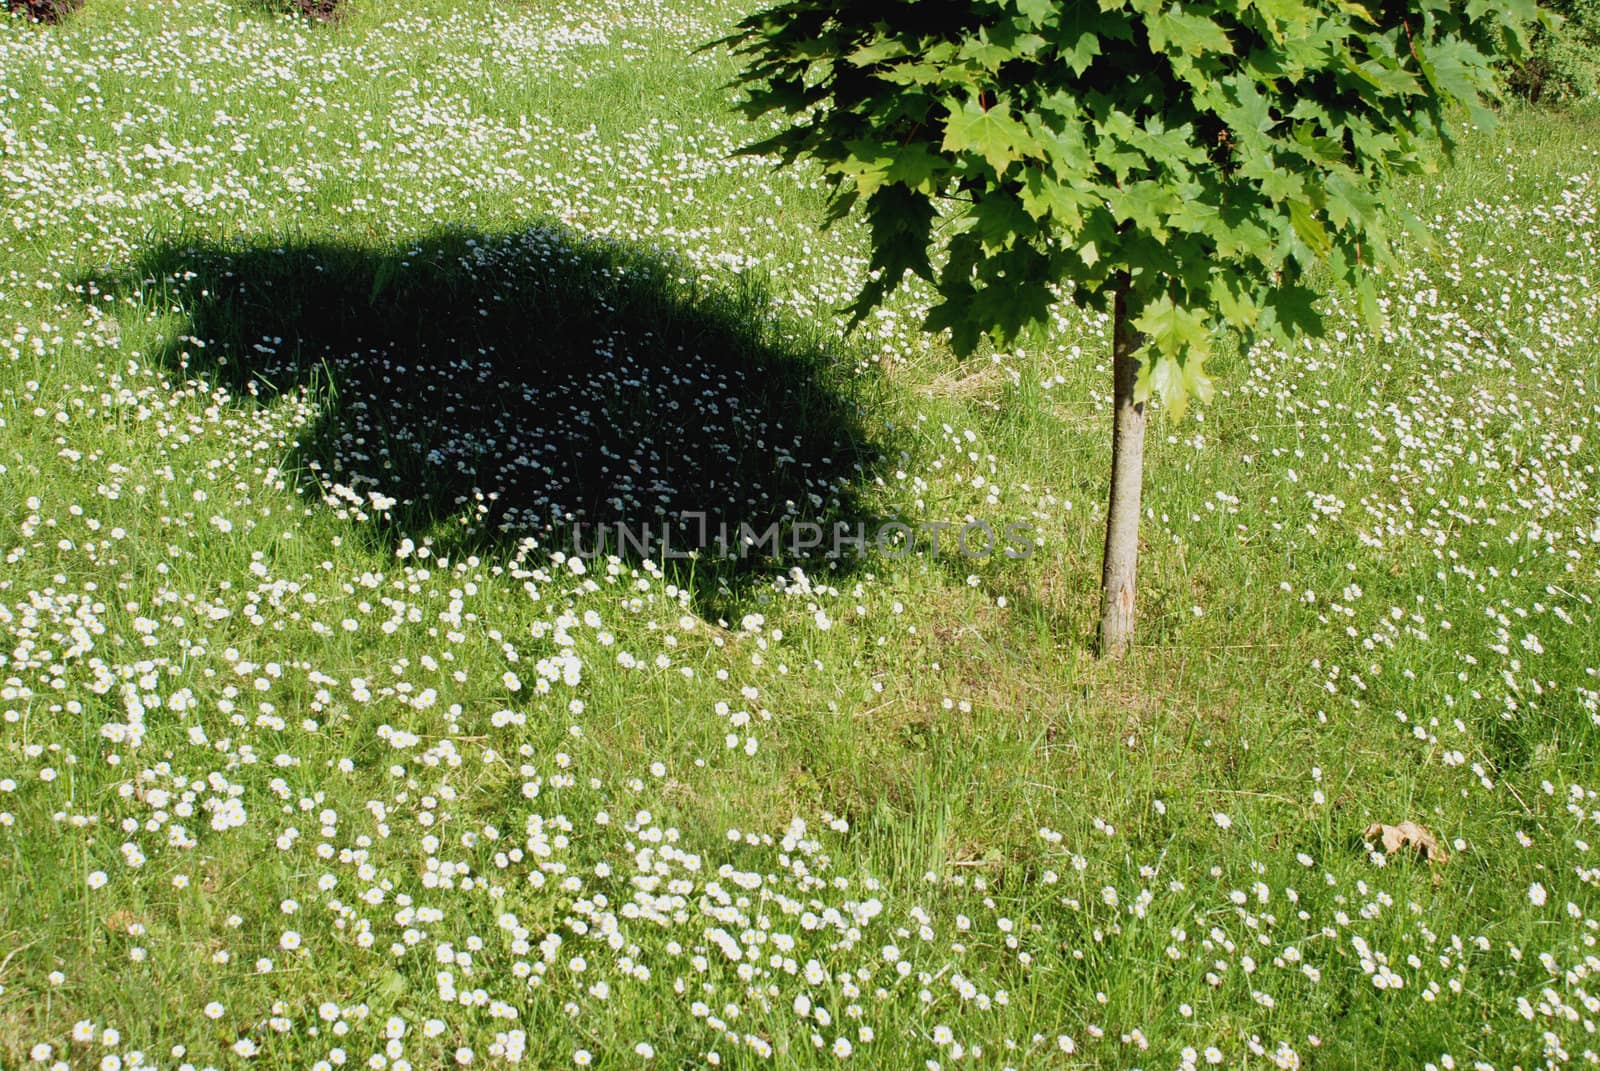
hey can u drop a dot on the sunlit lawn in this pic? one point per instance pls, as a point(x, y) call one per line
point(319, 749)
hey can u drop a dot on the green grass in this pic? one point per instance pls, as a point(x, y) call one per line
point(514, 259)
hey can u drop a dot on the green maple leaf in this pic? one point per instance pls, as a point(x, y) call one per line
point(1303, 217)
point(1250, 115)
point(1367, 301)
point(1173, 329)
point(915, 166)
point(1448, 68)
point(1174, 382)
point(1387, 78)
point(878, 51)
point(991, 133)
point(906, 74)
point(1037, 12)
point(1282, 185)
point(998, 220)
point(1172, 367)
point(1348, 202)
point(1233, 300)
point(1043, 196)
point(1145, 203)
point(1081, 52)
point(868, 163)
point(1078, 33)
point(1292, 309)
point(990, 54)
point(1189, 33)
point(1281, 15)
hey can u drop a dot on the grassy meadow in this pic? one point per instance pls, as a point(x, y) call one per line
point(320, 748)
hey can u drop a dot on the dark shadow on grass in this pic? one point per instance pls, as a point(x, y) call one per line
point(506, 392)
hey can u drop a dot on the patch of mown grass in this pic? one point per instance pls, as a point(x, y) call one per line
point(1368, 583)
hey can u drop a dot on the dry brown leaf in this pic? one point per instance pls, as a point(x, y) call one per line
point(1408, 833)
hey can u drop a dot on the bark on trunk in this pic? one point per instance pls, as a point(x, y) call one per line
point(1127, 474)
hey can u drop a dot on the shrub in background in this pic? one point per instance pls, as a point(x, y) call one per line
point(315, 10)
point(47, 11)
point(320, 10)
point(1565, 63)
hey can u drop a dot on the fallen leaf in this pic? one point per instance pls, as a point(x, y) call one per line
point(1408, 833)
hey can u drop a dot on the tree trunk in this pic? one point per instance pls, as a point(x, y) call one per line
point(1127, 474)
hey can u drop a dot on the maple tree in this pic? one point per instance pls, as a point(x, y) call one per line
point(1182, 165)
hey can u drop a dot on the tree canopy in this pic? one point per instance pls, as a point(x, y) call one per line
point(1197, 158)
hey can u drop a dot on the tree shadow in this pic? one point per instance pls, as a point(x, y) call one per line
point(533, 389)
